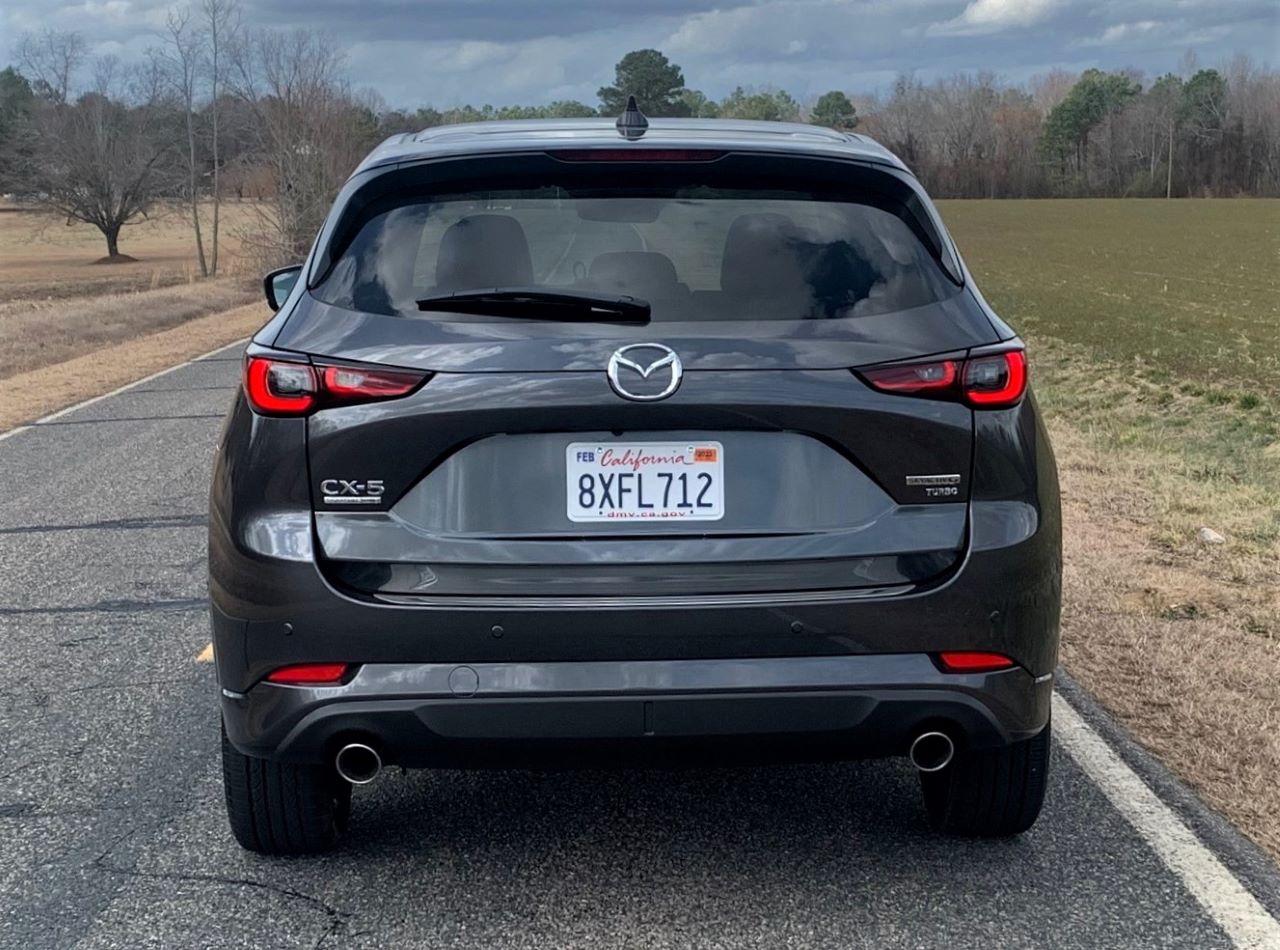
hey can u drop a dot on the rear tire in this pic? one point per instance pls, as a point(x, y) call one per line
point(278, 808)
point(989, 793)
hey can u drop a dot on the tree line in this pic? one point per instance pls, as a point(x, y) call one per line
point(220, 111)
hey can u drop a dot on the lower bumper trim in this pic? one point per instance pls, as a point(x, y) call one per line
point(509, 714)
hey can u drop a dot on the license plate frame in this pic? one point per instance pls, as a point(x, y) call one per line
point(653, 490)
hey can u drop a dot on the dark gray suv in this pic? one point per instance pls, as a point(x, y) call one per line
point(573, 443)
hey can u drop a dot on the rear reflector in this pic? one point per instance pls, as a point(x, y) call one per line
point(637, 155)
point(310, 674)
point(967, 661)
point(278, 387)
point(989, 381)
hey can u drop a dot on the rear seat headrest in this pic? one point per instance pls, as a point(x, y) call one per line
point(483, 251)
point(762, 257)
point(637, 273)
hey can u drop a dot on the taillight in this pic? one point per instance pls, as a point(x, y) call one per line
point(277, 387)
point(973, 661)
point(344, 382)
point(996, 380)
point(310, 674)
point(914, 378)
point(988, 381)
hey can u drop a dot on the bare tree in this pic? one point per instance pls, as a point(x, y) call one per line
point(310, 132)
point(1048, 89)
point(50, 60)
point(222, 27)
point(99, 159)
point(181, 62)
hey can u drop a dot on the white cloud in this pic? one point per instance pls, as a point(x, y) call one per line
point(993, 16)
point(1120, 32)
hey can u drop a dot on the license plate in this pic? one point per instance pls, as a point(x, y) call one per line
point(645, 481)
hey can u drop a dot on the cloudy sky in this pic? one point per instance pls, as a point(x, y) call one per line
point(447, 52)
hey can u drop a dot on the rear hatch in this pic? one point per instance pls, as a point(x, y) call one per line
point(722, 445)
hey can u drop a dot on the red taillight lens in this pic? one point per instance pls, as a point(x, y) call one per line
point(277, 387)
point(989, 381)
point(973, 661)
point(914, 378)
point(310, 674)
point(996, 380)
point(343, 383)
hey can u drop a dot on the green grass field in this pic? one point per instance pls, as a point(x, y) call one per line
point(1188, 289)
point(1154, 329)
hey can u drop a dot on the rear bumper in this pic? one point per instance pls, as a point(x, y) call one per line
point(273, 605)
point(441, 714)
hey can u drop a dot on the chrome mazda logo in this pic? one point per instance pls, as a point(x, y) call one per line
point(666, 361)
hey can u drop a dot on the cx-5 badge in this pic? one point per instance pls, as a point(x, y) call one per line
point(667, 360)
point(343, 491)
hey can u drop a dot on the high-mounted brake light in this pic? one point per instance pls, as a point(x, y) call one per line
point(637, 155)
point(973, 661)
point(987, 381)
point(277, 387)
point(310, 674)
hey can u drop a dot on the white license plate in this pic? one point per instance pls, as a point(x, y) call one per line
point(645, 481)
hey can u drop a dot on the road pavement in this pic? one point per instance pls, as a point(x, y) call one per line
point(115, 835)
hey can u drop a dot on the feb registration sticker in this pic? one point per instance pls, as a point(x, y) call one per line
point(645, 481)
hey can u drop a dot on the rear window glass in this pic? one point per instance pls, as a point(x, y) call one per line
point(700, 254)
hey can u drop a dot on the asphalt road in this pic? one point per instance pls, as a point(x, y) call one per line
point(114, 833)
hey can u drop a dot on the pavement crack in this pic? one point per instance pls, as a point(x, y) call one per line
point(123, 606)
point(79, 640)
point(193, 520)
point(337, 916)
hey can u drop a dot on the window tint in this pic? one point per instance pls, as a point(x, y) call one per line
point(704, 254)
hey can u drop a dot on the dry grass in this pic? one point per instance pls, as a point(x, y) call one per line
point(1180, 640)
point(38, 392)
point(42, 257)
point(38, 333)
point(57, 303)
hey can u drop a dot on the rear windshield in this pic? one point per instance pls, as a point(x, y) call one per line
point(693, 255)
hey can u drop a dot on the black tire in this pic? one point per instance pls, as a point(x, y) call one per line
point(278, 808)
point(989, 793)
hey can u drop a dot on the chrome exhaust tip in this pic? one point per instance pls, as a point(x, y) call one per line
point(932, 751)
point(358, 763)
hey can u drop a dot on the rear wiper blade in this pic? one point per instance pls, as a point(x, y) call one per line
point(535, 303)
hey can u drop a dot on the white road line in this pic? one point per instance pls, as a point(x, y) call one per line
point(125, 388)
point(1223, 897)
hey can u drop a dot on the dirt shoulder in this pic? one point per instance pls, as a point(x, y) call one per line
point(38, 392)
point(1177, 635)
